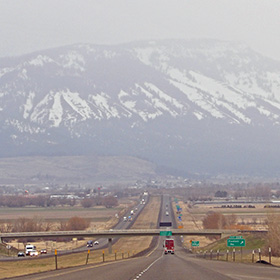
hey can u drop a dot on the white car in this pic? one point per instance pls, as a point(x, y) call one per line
point(96, 242)
point(33, 253)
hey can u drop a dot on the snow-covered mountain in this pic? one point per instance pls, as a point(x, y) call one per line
point(199, 106)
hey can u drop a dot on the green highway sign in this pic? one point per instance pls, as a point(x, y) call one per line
point(236, 242)
point(165, 233)
point(195, 243)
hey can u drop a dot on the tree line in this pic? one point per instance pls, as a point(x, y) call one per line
point(39, 225)
point(48, 201)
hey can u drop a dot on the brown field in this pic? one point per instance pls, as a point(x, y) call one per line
point(99, 216)
point(125, 247)
point(253, 218)
point(58, 213)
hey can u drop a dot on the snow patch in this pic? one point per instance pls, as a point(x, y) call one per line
point(144, 55)
point(73, 60)
point(56, 112)
point(28, 105)
point(40, 60)
point(102, 103)
point(4, 71)
point(23, 74)
point(79, 105)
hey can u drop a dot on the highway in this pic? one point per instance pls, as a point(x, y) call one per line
point(103, 242)
point(156, 265)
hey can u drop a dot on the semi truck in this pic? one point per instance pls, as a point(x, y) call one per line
point(168, 246)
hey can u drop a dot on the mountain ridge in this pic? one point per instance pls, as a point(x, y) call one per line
point(164, 100)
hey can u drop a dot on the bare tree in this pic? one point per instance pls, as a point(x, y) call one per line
point(273, 236)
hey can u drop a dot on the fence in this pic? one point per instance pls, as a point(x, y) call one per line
point(236, 255)
point(92, 257)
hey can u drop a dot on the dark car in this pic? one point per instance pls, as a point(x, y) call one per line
point(21, 254)
point(90, 243)
point(43, 251)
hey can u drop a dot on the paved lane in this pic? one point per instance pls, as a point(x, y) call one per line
point(173, 267)
point(103, 242)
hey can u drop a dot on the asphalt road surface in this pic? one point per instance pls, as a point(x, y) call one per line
point(156, 265)
point(103, 242)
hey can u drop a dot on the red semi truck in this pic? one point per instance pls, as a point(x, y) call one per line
point(168, 246)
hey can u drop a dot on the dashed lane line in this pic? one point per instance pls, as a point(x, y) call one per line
point(147, 268)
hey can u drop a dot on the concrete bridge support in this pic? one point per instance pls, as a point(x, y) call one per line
point(110, 245)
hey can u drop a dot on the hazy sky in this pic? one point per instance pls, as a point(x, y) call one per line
point(29, 25)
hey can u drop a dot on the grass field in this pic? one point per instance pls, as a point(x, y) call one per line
point(57, 213)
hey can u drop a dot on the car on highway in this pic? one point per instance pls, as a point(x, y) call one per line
point(90, 243)
point(43, 251)
point(167, 213)
point(96, 242)
point(21, 254)
point(33, 253)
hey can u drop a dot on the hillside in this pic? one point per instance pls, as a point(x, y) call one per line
point(202, 106)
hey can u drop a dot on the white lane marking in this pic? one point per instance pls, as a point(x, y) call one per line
point(147, 268)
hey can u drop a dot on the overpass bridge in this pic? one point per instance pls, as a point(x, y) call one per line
point(114, 233)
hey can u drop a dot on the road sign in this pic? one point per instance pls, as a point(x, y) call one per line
point(236, 242)
point(165, 233)
point(195, 243)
